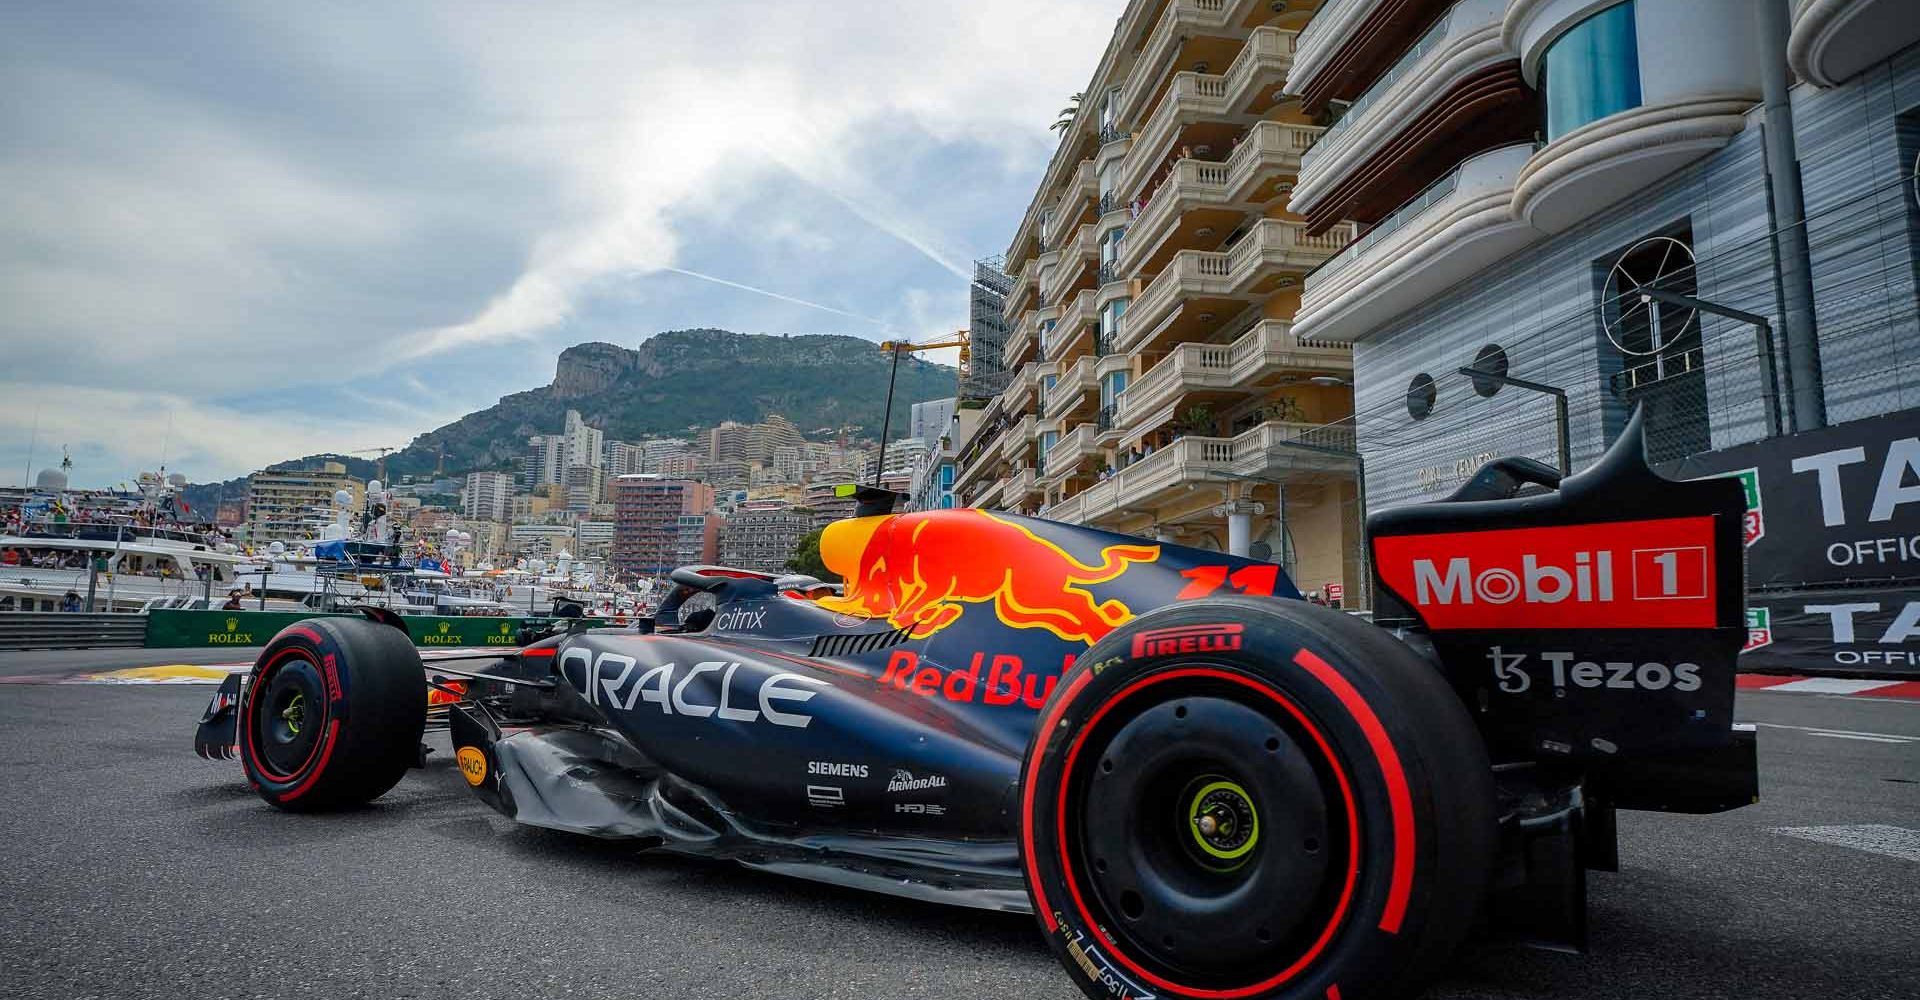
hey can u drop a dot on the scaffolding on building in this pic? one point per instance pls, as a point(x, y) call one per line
point(986, 376)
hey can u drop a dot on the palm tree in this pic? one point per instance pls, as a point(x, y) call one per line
point(1068, 114)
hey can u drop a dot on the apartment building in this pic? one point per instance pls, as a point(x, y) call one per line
point(487, 496)
point(1156, 384)
point(697, 540)
point(294, 505)
point(762, 540)
point(1601, 199)
point(933, 478)
point(647, 512)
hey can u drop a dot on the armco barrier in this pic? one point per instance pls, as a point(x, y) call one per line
point(174, 629)
point(65, 630)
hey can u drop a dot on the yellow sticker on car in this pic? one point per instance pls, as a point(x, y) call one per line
point(473, 764)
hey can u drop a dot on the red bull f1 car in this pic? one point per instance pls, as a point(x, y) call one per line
point(1200, 785)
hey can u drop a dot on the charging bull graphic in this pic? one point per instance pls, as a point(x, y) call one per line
point(919, 570)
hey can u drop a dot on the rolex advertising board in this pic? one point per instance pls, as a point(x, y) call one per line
point(179, 629)
point(1833, 545)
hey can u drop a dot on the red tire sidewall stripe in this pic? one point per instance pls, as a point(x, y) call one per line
point(1050, 720)
point(1066, 868)
point(323, 748)
point(253, 691)
point(1399, 796)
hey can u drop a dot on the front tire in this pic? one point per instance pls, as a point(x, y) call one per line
point(332, 714)
point(1246, 799)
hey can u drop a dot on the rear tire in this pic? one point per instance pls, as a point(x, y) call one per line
point(332, 714)
point(1243, 799)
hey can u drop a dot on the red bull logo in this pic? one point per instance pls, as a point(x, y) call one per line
point(919, 571)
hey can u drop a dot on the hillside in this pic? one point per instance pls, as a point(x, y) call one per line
point(675, 381)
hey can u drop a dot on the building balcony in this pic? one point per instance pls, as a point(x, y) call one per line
point(1071, 211)
point(1023, 392)
point(1348, 43)
point(1071, 390)
point(1456, 83)
point(1064, 458)
point(1208, 110)
point(1271, 452)
point(1018, 488)
point(1203, 198)
point(1582, 172)
point(1020, 342)
point(1458, 226)
point(1017, 441)
point(1075, 269)
point(1078, 315)
point(1261, 358)
point(1024, 294)
point(1187, 31)
point(1224, 282)
point(1833, 40)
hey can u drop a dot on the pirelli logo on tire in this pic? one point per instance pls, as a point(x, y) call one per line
point(1623, 574)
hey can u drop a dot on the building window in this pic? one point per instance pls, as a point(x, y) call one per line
point(1111, 387)
point(1110, 246)
point(1592, 71)
point(1110, 318)
point(1662, 362)
point(1492, 359)
point(1421, 395)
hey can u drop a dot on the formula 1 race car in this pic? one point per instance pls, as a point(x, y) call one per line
point(1201, 785)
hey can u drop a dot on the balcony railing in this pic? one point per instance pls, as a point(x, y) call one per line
point(1343, 132)
point(1270, 450)
point(1199, 97)
point(1226, 273)
point(1386, 227)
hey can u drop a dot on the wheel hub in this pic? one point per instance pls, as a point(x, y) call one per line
point(1203, 829)
point(1225, 824)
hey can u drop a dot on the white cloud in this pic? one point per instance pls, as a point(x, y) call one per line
point(304, 188)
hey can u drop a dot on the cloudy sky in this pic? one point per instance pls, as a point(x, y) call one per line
point(238, 232)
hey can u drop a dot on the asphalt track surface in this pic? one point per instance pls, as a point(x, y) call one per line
point(134, 869)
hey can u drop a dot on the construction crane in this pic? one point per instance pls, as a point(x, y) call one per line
point(380, 467)
point(959, 338)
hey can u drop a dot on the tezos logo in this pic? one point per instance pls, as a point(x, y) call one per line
point(904, 781)
point(1568, 670)
point(604, 680)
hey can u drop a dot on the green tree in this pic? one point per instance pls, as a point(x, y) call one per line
point(806, 558)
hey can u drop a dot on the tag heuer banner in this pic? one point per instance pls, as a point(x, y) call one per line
point(1833, 546)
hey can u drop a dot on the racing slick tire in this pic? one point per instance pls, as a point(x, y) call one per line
point(332, 714)
point(1243, 799)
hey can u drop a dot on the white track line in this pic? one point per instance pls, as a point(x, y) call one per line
point(1829, 685)
point(1845, 734)
point(1872, 838)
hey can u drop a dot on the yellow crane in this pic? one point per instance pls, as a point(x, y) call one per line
point(959, 338)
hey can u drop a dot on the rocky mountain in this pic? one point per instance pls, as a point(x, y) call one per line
point(674, 382)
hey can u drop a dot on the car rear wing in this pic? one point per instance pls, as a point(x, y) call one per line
point(1594, 623)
